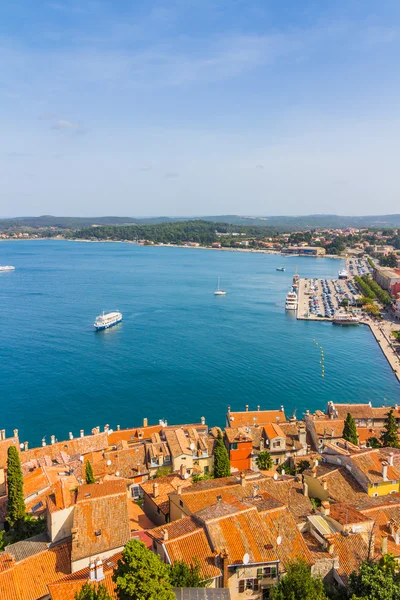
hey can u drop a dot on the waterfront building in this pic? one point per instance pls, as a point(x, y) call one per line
point(304, 250)
point(239, 442)
point(248, 418)
point(156, 493)
point(388, 279)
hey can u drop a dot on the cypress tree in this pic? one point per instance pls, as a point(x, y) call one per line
point(350, 430)
point(222, 467)
point(15, 488)
point(389, 435)
point(89, 477)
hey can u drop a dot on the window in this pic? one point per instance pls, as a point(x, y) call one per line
point(167, 459)
point(241, 586)
point(97, 533)
point(158, 510)
point(251, 584)
point(180, 503)
point(233, 446)
point(277, 444)
point(206, 470)
point(277, 461)
point(375, 495)
point(269, 572)
point(154, 461)
point(394, 482)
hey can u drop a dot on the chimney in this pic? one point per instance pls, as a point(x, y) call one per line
point(224, 560)
point(106, 428)
point(325, 484)
point(2, 434)
point(325, 507)
point(25, 446)
point(229, 409)
point(164, 534)
point(242, 479)
point(391, 459)
point(43, 442)
point(92, 570)
point(118, 427)
point(247, 408)
point(203, 420)
point(145, 422)
point(182, 471)
point(281, 407)
point(305, 489)
point(258, 407)
point(307, 412)
point(82, 433)
point(15, 433)
point(302, 435)
point(179, 489)
point(314, 471)
point(332, 433)
point(70, 436)
point(99, 569)
point(53, 439)
point(155, 490)
point(74, 533)
point(384, 547)
point(331, 548)
point(384, 470)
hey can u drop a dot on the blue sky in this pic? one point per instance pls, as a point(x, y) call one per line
point(190, 107)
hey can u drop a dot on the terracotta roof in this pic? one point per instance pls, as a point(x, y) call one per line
point(175, 529)
point(25, 548)
point(329, 428)
point(382, 518)
point(89, 443)
point(4, 446)
point(239, 434)
point(100, 490)
point(127, 462)
point(101, 521)
point(66, 588)
point(166, 485)
point(289, 492)
point(258, 417)
point(241, 533)
point(61, 495)
point(192, 548)
point(35, 482)
point(364, 411)
point(281, 523)
point(199, 499)
point(351, 551)
point(28, 579)
point(346, 514)
point(272, 430)
point(370, 463)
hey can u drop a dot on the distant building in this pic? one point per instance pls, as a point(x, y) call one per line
point(388, 279)
point(304, 250)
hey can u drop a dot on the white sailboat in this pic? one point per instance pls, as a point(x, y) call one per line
point(218, 291)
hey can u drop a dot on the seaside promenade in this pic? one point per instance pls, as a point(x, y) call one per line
point(382, 333)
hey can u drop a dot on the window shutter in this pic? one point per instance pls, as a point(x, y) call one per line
point(259, 573)
point(255, 585)
point(241, 586)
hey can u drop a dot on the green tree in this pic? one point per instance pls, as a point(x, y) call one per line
point(373, 442)
point(389, 435)
point(93, 592)
point(15, 488)
point(222, 467)
point(183, 575)
point(298, 584)
point(264, 461)
point(350, 430)
point(376, 581)
point(303, 465)
point(141, 574)
point(89, 477)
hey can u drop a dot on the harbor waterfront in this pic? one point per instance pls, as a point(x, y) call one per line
point(179, 353)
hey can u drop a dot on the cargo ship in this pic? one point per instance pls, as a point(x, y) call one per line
point(106, 320)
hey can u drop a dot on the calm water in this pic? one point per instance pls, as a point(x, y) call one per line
point(180, 352)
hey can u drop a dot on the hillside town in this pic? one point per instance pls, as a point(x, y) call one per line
point(240, 507)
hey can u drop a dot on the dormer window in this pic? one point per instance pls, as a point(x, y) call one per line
point(97, 533)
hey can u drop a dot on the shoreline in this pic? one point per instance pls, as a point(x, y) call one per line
point(248, 250)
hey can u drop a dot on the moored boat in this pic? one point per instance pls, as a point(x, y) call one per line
point(280, 269)
point(106, 320)
point(7, 268)
point(218, 291)
point(346, 319)
point(291, 300)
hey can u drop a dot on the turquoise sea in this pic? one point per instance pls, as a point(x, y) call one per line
point(180, 352)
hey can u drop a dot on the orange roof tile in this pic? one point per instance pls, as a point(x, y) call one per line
point(89, 443)
point(192, 548)
point(281, 523)
point(346, 514)
point(351, 551)
point(101, 521)
point(370, 463)
point(272, 430)
point(8, 582)
point(166, 485)
point(35, 482)
point(258, 417)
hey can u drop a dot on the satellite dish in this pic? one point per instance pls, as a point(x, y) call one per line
point(283, 472)
point(279, 540)
point(232, 418)
point(21, 446)
point(246, 559)
point(275, 476)
point(316, 463)
point(186, 475)
point(108, 463)
point(117, 473)
point(192, 446)
point(81, 459)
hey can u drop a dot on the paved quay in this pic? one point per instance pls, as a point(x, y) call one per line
point(381, 331)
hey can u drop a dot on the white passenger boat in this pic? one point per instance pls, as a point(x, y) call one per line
point(345, 319)
point(7, 268)
point(343, 274)
point(218, 291)
point(291, 300)
point(106, 320)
